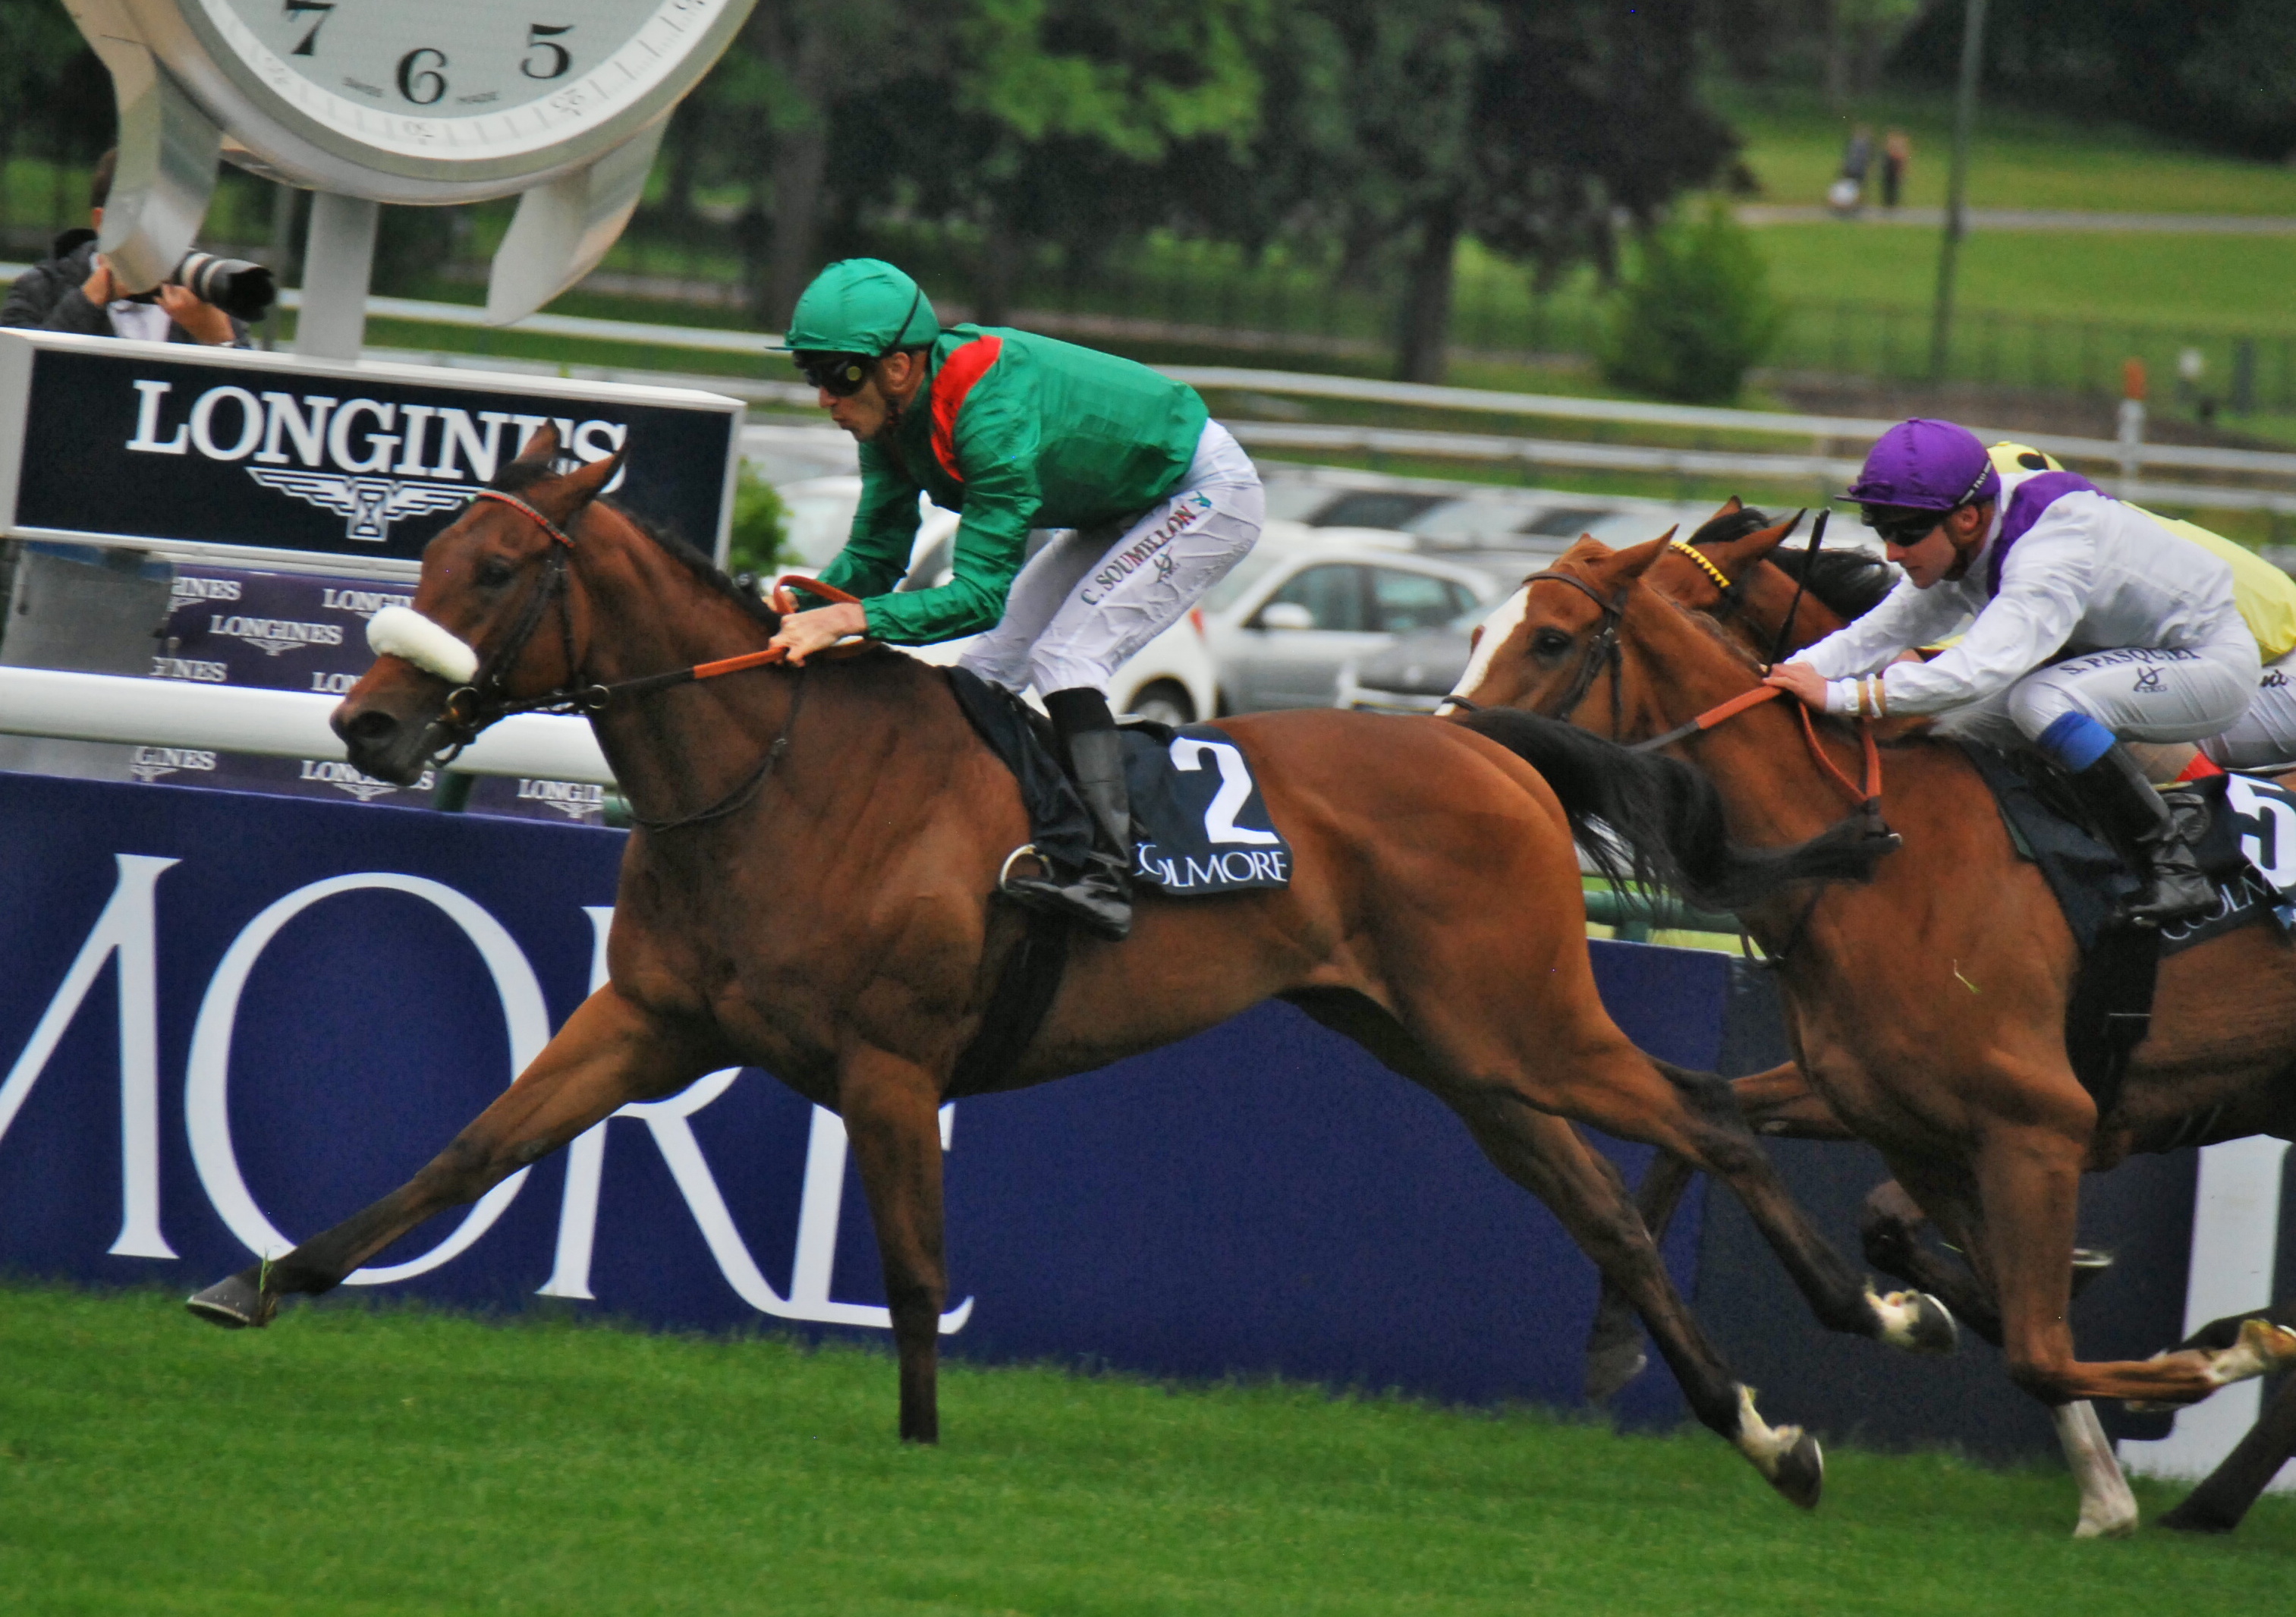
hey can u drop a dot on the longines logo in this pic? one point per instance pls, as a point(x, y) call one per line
point(363, 602)
point(575, 799)
point(371, 462)
point(343, 777)
point(148, 764)
point(275, 635)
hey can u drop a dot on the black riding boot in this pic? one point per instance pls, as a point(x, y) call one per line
point(2158, 832)
point(1101, 895)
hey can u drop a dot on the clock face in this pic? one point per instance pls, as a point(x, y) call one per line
point(443, 81)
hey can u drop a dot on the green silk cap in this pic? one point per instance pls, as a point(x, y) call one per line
point(861, 306)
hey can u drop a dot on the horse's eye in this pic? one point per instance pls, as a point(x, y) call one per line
point(1550, 643)
point(493, 574)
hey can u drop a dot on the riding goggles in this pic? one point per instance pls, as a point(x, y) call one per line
point(839, 375)
point(1901, 525)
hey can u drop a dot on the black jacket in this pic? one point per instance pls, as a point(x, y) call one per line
point(48, 295)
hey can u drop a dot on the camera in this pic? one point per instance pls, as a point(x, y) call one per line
point(232, 285)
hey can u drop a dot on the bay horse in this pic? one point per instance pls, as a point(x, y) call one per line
point(1927, 1008)
point(808, 889)
point(1730, 570)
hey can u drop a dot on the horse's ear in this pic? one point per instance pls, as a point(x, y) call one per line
point(1755, 546)
point(1587, 549)
point(585, 480)
point(542, 448)
point(1634, 561)
point(1729, 507)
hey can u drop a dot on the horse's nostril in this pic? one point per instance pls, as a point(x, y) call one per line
point(371, 728)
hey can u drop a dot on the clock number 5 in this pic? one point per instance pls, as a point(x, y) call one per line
point(295, 12)
point(543, 37)
point(420, 81)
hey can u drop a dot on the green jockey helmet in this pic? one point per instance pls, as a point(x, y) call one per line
point(861, 306)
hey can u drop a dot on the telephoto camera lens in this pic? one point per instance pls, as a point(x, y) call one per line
point(232, 285)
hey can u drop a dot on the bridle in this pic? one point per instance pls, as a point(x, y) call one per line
point(1602, 651)
point(485, 700)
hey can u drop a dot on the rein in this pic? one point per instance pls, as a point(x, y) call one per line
point(470, 707)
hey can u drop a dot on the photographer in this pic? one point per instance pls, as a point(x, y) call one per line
point(73, 290)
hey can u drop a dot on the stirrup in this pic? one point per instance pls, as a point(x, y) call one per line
point(1097, 899)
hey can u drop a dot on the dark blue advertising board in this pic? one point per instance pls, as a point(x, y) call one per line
point(228, 1020)
point(234, 453)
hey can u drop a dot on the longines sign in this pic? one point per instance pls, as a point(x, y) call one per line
point(249, 456)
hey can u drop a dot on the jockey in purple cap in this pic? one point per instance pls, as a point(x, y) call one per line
point(2094, 627)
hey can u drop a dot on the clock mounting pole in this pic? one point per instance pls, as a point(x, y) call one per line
point(338, 264)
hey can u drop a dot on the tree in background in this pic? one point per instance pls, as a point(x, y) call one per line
point(1535, 125)
point(1694, 315)
point(2222, 72)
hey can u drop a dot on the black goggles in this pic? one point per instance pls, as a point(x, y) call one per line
point(1902, 525)
point(839, 375)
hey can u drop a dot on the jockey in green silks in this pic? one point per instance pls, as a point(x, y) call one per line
point(1132, 500)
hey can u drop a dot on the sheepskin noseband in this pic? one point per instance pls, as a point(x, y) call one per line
point(401, 631)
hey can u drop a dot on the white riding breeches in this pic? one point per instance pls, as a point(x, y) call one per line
point(1092, 597)
point(2266, 734)
point(2139, 692)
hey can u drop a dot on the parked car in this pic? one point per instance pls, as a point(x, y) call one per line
point(1171, 679)
point(1305, 604)
point(1414, 674)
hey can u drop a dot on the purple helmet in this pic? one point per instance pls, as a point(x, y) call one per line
point(1926, 465)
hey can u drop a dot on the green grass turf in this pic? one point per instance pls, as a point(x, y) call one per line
point(2018, 158)
point(353, 1461)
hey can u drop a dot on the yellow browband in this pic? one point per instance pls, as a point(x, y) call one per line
point(1686, 548)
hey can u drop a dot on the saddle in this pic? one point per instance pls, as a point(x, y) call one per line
point(2248, 852)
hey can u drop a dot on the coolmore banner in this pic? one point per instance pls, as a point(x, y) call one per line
point(227, 1022)
point(230, 452)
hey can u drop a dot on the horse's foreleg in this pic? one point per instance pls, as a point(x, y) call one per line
point(1889, 1225)
point(609, 1052)
point(892, 1115)
point(1780, 1102)
point(2028, 1179)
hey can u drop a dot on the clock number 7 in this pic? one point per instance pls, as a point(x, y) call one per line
point(295, 10)
point(544, 37)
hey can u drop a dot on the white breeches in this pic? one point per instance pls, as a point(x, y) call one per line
point(2139, 692)
point(2266, 734)
point(1092, 597)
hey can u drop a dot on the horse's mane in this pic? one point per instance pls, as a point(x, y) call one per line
point(520, 475)
point(1849, 581)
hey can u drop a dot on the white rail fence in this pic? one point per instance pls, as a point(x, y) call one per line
point(271, 723)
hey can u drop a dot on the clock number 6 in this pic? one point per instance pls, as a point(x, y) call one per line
point(295, 12)
point(413, 71)
point(544, 37)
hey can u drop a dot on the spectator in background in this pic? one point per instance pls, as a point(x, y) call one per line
point(1848, 192)
point(72, 291)
point(1896, 153)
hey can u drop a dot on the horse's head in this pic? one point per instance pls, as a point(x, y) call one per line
point(1553, 646)
point(1724, 570)
point(494, 624)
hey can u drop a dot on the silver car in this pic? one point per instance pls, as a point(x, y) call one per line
point(1301, 606)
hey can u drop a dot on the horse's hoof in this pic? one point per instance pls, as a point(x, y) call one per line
point(2090, 1265)
point(2117, 1520)
point(1917, 1322)
point(2184, 1519)
point(1611, 1367)
point(1800, 1475)
point(236, 1304)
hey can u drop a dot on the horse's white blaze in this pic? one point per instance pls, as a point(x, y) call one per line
point(1764, 1445)
point(1503, 622)
point(2108, 1509)
point(401, 631)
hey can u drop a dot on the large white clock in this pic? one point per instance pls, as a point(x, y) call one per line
point(401, 101)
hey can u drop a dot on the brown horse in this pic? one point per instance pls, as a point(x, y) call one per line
point(1969, 1095)
point(808, 889)
point(1729, 570)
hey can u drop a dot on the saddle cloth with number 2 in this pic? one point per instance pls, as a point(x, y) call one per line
point(1199, 824)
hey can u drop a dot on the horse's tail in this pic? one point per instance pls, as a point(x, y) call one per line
point(1645, 819)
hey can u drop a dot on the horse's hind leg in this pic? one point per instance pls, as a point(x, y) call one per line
point(609, 1052)
point(891, 1108)
point(1545, 1156)
point(1614, 1342)
point(2218, 1504)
